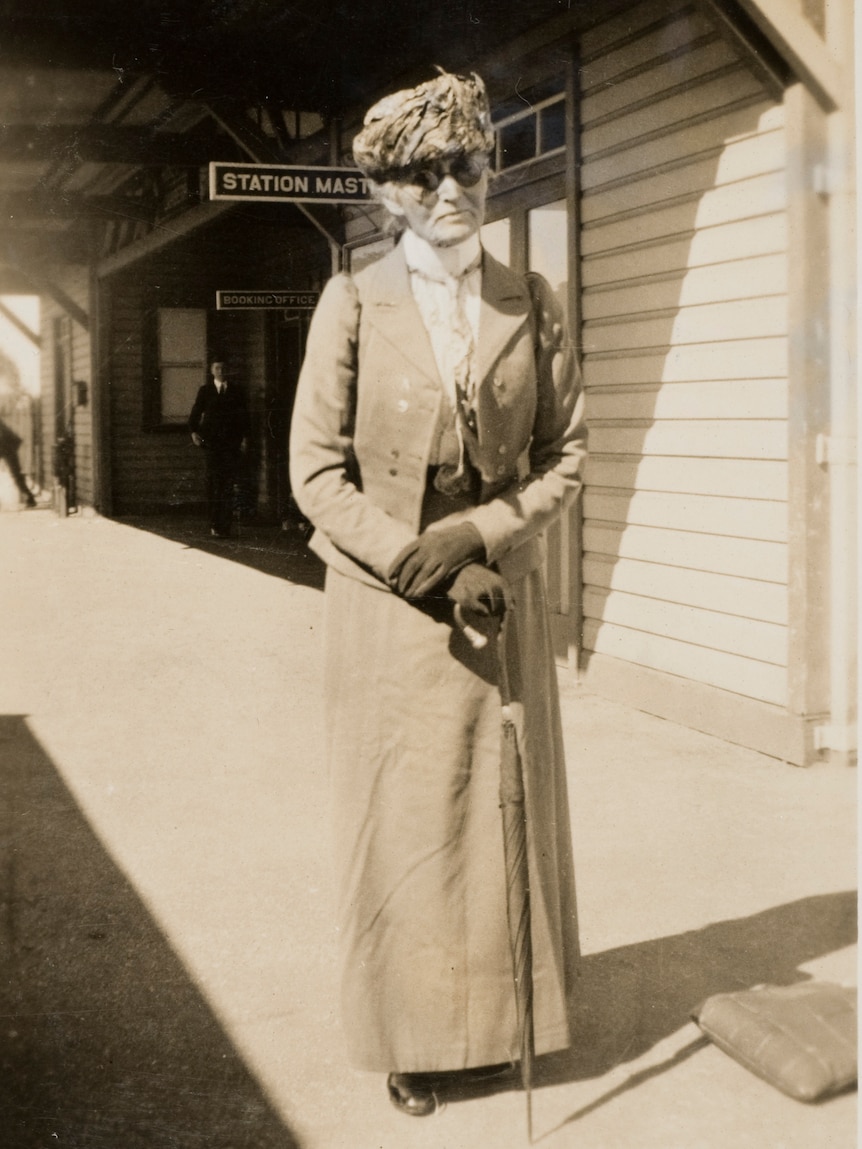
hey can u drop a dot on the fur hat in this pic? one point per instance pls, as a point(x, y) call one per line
point(440, 119)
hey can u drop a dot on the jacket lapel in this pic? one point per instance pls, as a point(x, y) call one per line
point(390, 306)
point(504, 310)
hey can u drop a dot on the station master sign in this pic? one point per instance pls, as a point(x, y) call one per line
point(285, 183)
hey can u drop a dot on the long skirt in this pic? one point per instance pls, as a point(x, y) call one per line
point(413, 740)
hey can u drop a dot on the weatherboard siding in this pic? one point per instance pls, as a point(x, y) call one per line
point(685, 282)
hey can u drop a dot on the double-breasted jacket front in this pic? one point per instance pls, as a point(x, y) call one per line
point(368, 403)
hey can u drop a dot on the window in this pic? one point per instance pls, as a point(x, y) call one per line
point(496, 238)
point(548, 246)
point(531, 124)
point(182, 360)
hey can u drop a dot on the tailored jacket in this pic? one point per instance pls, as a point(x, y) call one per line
point(367, 405)
point(222, 421)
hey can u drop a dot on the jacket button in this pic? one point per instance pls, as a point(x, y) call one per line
point(394, 452)
point(501, 449)
point(393, 471)
point(501, 470)
point(403, 405)
point(498, 382)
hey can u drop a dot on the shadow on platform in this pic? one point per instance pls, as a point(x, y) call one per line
point(630, 999)
point(106, 1040)
point(266, 547)
point(633, 997)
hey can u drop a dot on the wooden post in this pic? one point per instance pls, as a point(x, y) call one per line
point(808, 412)
point(100, 390)
point(335, 249)
point(575, 572)
point(840, 738)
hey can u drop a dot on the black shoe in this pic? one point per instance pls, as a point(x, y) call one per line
point(411, 1095)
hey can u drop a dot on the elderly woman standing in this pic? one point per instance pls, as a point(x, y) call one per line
point(438, 430)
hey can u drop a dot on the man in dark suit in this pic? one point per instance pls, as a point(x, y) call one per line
point(219, 423)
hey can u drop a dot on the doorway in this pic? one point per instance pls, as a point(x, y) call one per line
point(530, 231)
point(288, 334)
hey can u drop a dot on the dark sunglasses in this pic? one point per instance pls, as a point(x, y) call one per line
point(466, 170)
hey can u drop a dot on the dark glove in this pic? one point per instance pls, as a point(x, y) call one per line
point(433, 557)
point(480, 591)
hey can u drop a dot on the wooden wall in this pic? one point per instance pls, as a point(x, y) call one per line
point(158, 469)
point(685, 306)
point(60, 413)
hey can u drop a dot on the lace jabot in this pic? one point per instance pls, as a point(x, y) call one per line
point(446, 283)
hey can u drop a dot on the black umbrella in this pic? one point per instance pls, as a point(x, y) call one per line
point(513, 808)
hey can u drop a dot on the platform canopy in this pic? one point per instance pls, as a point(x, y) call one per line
point(109, 109)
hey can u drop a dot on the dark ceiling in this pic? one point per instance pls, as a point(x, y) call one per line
point(94, 91)
point(324, 54)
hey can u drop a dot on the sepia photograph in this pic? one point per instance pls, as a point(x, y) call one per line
point(429, 565)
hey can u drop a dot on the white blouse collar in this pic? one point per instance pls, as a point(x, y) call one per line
point(438, 262)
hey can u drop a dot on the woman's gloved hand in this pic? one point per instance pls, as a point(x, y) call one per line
point(433, 557)
point(480, 591)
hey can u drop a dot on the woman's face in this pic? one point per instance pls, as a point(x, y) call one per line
point(443, 202)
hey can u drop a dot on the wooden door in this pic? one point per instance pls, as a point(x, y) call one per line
point(287, 351)
point(535, 236)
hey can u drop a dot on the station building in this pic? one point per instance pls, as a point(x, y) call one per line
point(682, 173)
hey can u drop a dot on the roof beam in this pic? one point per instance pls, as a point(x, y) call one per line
point(783, 24)
point(257, 146)
point(13, 281)
point(164, 234)
point(55, 292)
point(42, 284)
point(261, 150)
point(102, 144)
point(18, 323)
point(30, 247)
point(760, 55)
point(32, 210)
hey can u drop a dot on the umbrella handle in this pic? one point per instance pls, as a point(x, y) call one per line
point(479, 641)
point(475, 637)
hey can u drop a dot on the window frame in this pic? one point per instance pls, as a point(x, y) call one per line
point(155, 363)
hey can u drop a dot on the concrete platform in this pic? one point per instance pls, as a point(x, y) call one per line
point(168, 973)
